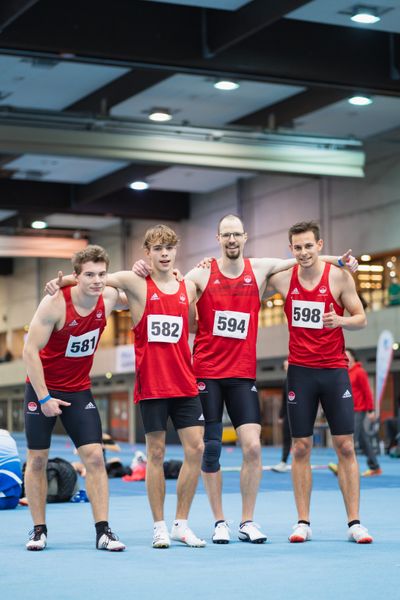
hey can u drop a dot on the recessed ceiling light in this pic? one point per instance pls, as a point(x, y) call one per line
point(360, 100)
point(38, 224)
point(161, 115)
point(395, 346)
point(139, 185)
point(365, 257)
point(365, 15)
point(225, 85)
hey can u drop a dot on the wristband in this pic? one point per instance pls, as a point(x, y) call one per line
point(45, 399)
point(340, 262)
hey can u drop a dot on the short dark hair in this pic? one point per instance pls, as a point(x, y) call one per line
point(303, 227)
point(91, 253)
point(229, 216)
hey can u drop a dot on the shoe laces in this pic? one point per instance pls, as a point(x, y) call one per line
point(36, 533)
point(109, 537)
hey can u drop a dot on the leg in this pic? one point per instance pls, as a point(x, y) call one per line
point(193, 447)
point(96, 480)
point(36, 484)
point(349, 480)
point(301, 476)
point(250, 475)
point(365, 444)
point(211, 470)
point(155, 481)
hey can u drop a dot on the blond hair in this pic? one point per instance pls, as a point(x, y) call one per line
point(160, 234)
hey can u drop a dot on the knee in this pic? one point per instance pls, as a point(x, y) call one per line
point(37, 464)
point(345, 449)
point(195, 451)
point(94, 460)
point(301, 449)
point(252, 451)
point(155, 455)
point(212, 448)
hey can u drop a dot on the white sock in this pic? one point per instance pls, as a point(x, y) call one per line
point(180, 523)
point(160, 525)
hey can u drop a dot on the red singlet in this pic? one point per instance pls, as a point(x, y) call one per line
point(68, 356)
point(225, 343)
point(311, 344)
point(163, 359)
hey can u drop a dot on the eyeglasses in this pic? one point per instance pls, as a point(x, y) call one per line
point(236, 234)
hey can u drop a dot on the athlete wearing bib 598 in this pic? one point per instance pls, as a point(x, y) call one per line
point(317, 295)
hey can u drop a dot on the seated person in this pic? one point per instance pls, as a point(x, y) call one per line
point(10, 472)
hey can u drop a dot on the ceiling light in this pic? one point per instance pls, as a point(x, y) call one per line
point(365, 257)
point(139, 185)
point(38, 224)
point(395, 346)
point(161, 115)
point(225, 85)
point(365, 15)
point(360, 100)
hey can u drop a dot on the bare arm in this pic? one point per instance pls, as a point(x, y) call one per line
point(351, 302)
point(191, 291)
point(44, 321)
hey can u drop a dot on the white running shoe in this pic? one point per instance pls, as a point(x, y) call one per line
point(186, 536)
point(37, 540)
point(301, 533)
point(109, 541)
point(221, 533)
point(161, 537)
point(281, 467)
point(359, 534)
point(250, 532)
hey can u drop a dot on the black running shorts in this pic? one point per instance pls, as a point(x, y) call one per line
point(239, 395)
point(307, 387)
point(184, 412)
point(81, 420)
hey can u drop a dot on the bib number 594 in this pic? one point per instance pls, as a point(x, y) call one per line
point(228, 323)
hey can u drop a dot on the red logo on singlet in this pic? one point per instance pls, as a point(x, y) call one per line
point(99, 314)
point(323, 290)
point(32, 406)
point(182, 298)
point(291, 396)
point(247, 279)
point(201, 386)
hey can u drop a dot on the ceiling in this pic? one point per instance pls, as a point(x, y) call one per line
point(69, 66)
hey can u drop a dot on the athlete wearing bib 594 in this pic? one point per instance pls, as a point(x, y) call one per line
point(58, 353)
point(316, 297)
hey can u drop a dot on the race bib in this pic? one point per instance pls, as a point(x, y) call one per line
point(82, 345)
point(307, 314)
point(164, 328)
point(231, 324)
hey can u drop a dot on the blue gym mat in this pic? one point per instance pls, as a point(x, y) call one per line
point(326, 568)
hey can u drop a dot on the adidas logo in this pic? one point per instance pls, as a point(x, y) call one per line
point(89, 405)
point(295, 291)
point(201, 417)
point(347, 394)
point(253, 389)
point(217, 281)
point(154, 297)
point(73, 323)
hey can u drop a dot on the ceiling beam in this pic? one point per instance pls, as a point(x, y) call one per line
point(118, 90)
point(224, 29)
point(286, 111)
point(34, 196)
point(11, 10)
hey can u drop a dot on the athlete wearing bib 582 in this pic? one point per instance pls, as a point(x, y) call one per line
point(317, 295)
point(59, 350)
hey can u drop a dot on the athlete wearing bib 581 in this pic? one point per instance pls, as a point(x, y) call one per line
point(58, 353)
point(317, 295)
